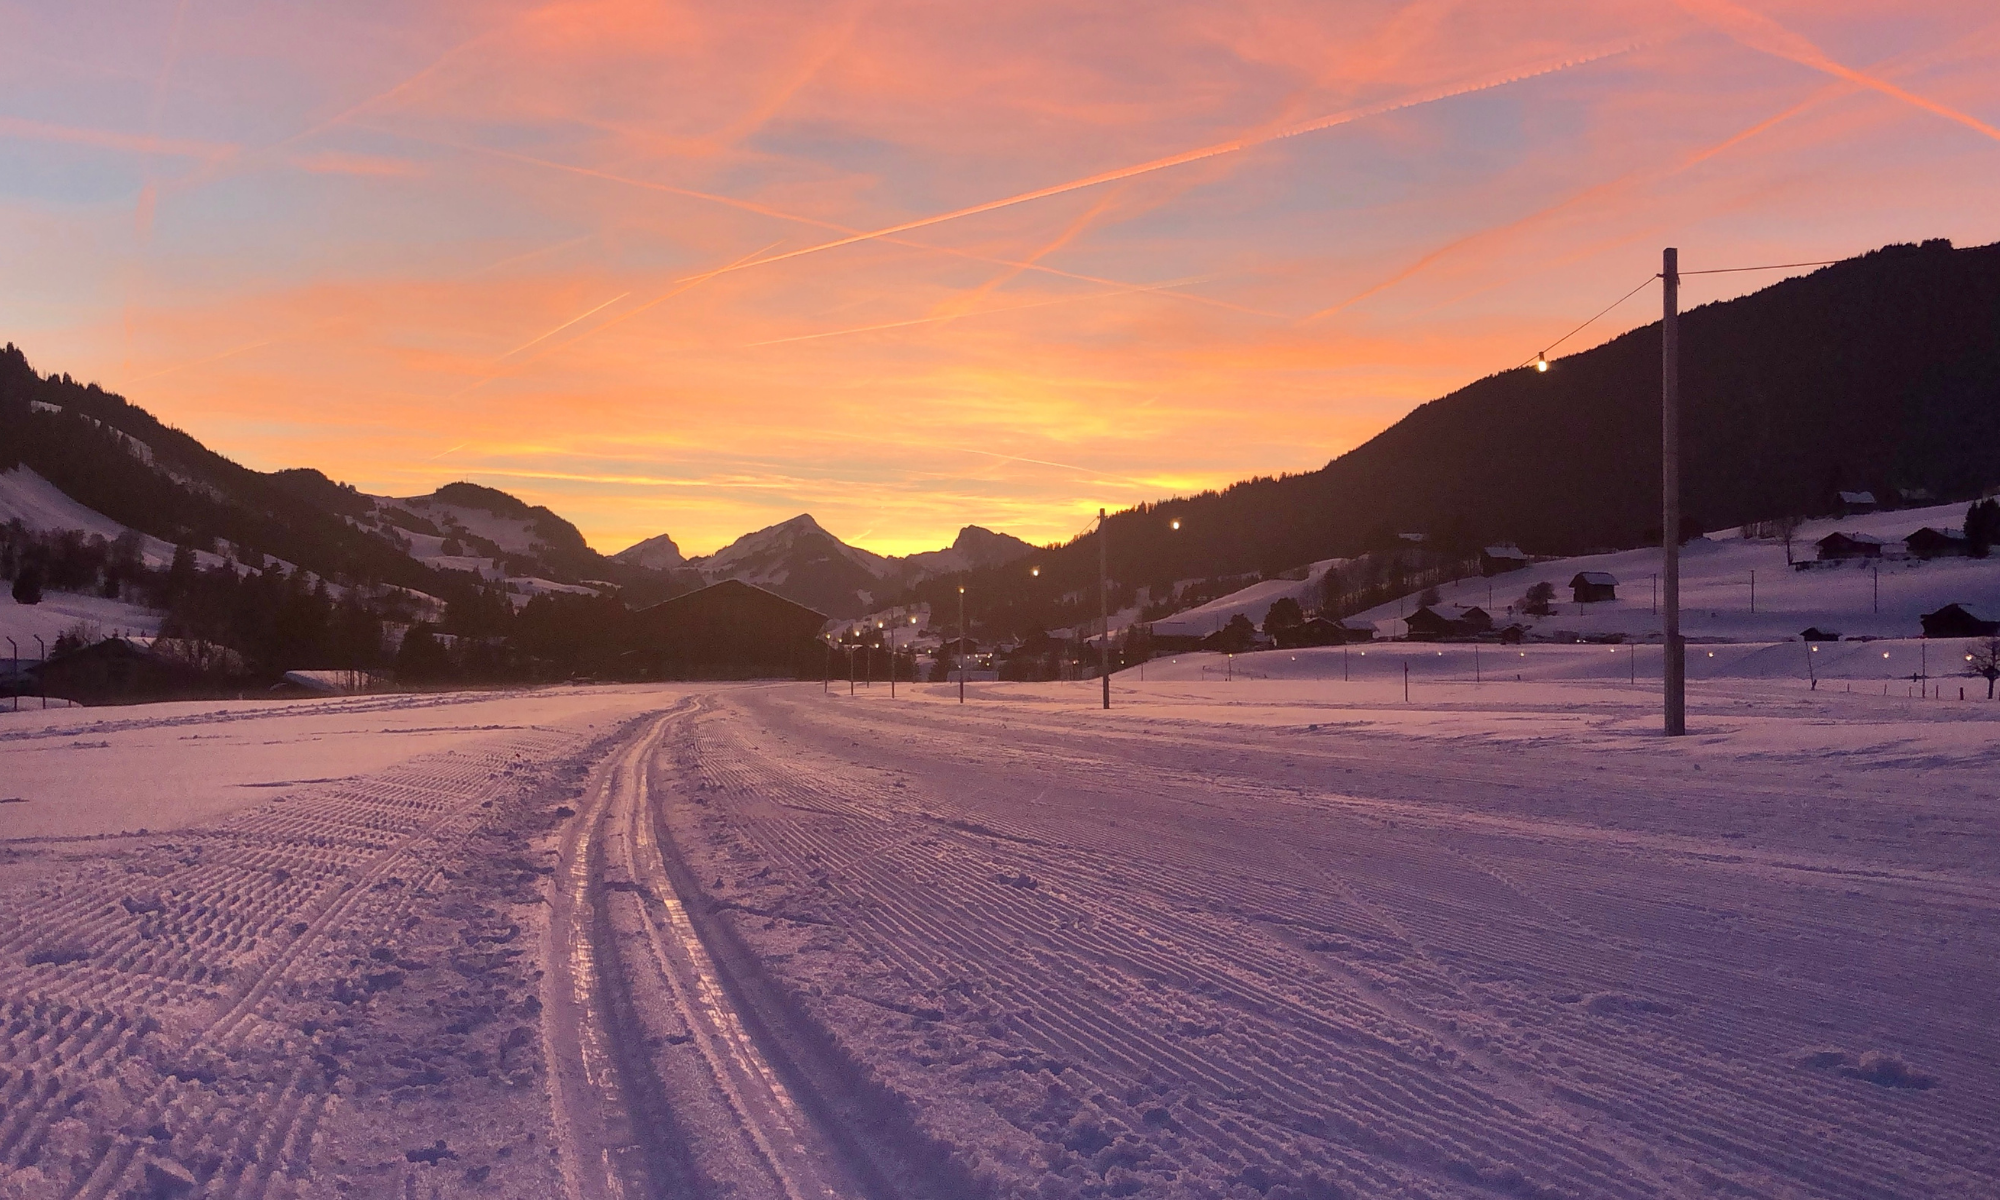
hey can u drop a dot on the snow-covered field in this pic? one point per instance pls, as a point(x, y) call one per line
point(1279, 935)
point(60, 612)
point(1854, 598)
point(1858, 598)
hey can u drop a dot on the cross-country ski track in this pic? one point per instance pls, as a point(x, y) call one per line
point(766, 941)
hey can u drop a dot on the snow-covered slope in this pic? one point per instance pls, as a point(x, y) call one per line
point(803, 562)
point(61, 612)
point(772, 555)
point(1854, 598)
point(44, 508)
point(974, 547)
point(1251, 603)
point(655, 553)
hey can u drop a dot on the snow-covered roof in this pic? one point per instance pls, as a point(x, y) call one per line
point(1453, 612)
point(1595, 578)
point(1864, 539)
point(1857, 497)
point(1506, 550)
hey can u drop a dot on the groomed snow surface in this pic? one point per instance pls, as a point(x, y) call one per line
point(1278, 935)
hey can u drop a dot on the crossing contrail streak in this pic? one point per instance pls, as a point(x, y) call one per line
point(1840, 86)
point(1761, 33)
point(680, 286)
point(565, 325)
point(765, 210)
point(1205, 152)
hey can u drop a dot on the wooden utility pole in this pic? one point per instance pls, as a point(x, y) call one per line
point(958, 651)
point(1103, 613)
point(1675, 669)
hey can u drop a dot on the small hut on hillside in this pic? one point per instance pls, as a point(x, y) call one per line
point(1590, 587)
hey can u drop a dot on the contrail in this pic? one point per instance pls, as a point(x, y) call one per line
point(1074, 230)
point(1043, 462)
point(680, 286)
point(565, 325)
point(1217, 149)
point(1188, 156)
point(764, 210)
point(1761, 33)
point(42, 131)
point(199, 362)
point(1901, 64)
point(987, 312)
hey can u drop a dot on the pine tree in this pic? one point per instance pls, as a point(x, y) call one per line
point(1978, 529)
point(1284, 613)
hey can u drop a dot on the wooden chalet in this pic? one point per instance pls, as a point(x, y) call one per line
point(1590, 587)
point(1500, 559)
point(1932, 542)
point(1837, 546)
point(1959, 621)
point(728, 630)
point(1434, 621)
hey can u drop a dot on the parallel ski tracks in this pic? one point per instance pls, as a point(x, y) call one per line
point(629, 1116)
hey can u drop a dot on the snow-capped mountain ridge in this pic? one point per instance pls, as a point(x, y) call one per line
point(655, 553)
point(800, 560)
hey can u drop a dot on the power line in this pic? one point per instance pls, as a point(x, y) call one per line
point(1540, 360)
point(1542, 357)
point(1773, 267)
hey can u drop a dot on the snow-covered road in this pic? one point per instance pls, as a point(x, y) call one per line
point(1156, 953)
point(1277, 938)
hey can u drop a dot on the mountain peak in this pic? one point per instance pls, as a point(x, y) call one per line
point(658, 553)
point(979, 540)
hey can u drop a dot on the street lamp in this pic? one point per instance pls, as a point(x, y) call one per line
point(958, 651)
point(889, 644)
point(1103, 615)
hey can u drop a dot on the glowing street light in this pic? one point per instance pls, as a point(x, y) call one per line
point(1541, 362)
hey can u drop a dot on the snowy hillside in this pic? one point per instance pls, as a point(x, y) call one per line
point(61, 612)
point(42, 507)
point(974, 547)
point(1250, 603)
point(1853, 598)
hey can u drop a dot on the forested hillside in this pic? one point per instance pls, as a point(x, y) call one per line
point(1878, 372)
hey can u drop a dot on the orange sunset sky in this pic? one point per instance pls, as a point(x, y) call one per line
point(696, 268)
